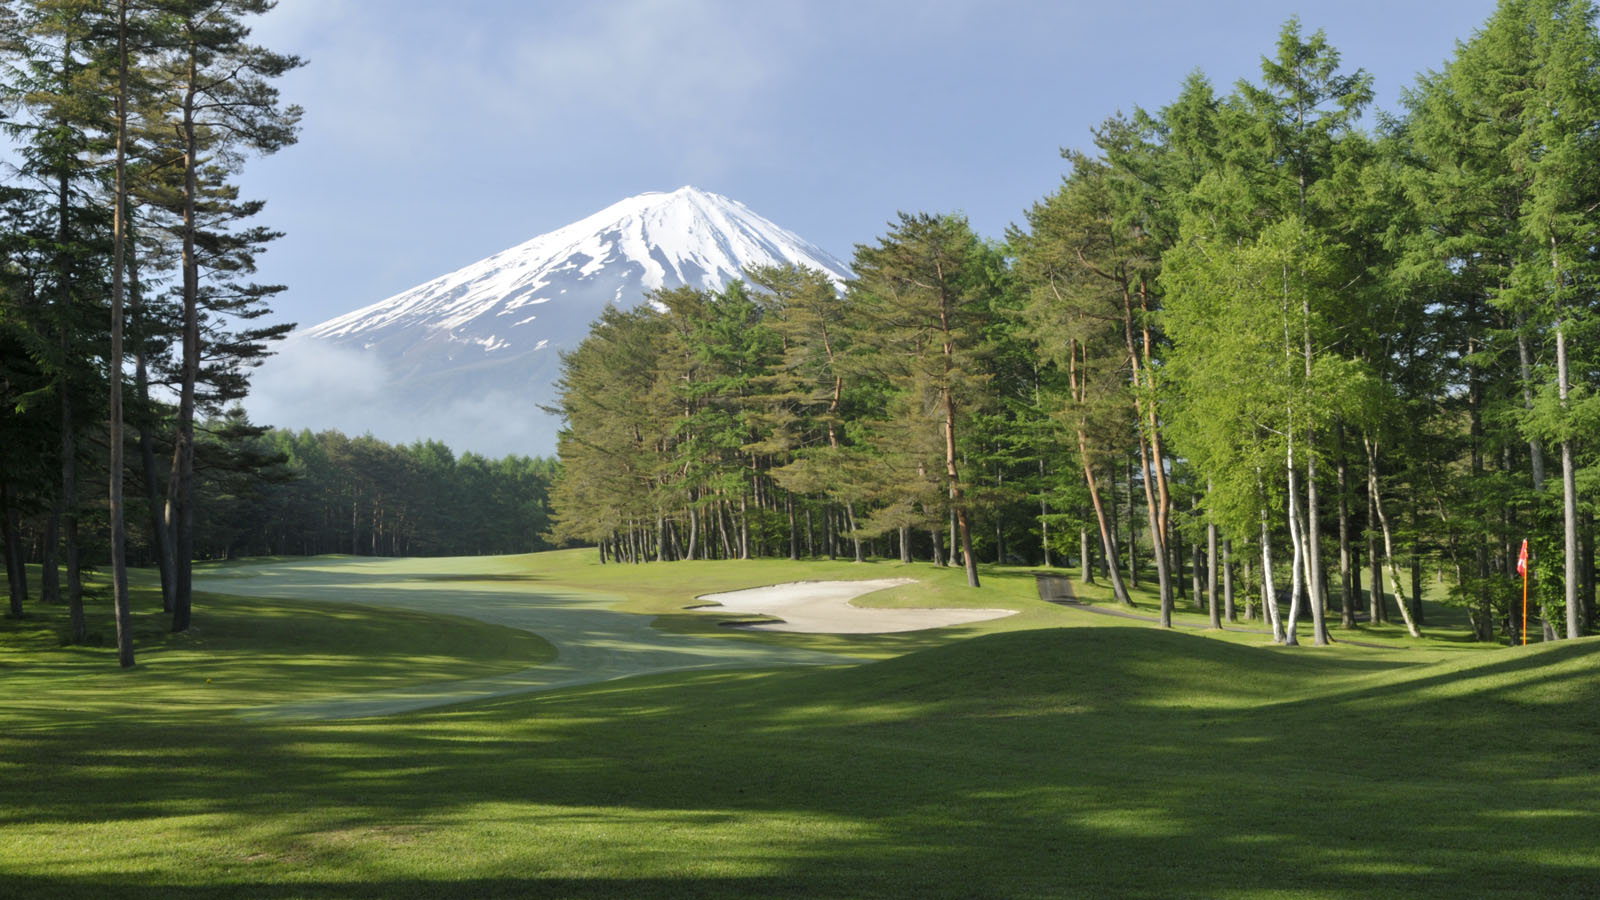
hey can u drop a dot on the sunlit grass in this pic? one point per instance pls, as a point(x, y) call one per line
point(1112, 759)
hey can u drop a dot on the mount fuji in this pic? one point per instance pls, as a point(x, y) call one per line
point(469, 357)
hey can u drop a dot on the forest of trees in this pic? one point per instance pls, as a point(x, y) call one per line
point(129, 322)
point(128, 316)
point(1269, 356)
point(284, 493)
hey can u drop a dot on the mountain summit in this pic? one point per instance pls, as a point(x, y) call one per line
point(469, 357)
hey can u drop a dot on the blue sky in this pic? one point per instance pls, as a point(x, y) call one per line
point(436, 134)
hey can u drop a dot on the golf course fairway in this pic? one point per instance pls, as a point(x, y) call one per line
point(593, 642)
point(1051, 753)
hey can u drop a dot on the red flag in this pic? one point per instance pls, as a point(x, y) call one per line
point(1522, 559)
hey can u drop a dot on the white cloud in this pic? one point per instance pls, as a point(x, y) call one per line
point(317, 385)
point(683, 65)
point(311, 384)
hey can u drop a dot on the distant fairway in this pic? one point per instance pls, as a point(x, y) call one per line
point(592, 641)
point(1048, 754)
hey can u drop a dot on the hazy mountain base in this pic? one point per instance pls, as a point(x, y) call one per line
point(492, 408)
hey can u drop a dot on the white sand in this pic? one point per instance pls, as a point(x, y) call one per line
point(824, 607)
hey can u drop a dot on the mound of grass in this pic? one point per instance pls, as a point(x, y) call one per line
point(241, 652)
point(1116, 760)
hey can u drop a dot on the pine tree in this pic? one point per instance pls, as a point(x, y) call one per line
point(219, 103)
point(920, 290)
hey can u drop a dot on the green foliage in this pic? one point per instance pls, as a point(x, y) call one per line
point(327, 493)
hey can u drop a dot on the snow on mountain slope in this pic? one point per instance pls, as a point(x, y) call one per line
point(469, 357)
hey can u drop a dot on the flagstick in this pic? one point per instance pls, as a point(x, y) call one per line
point(1522, 569)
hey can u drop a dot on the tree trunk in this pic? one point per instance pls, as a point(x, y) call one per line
point(1175, 546)
point(1152, 464)
point(69, 450)
point(1044, 513)
point(183, 445)
point(1388, 537)
point(1158, 537)
point(674, 541)
point(1108, 537)
point(744, 525)
point(694, 530)
point(1316, 575)
point(1416, 584)
point(1297, 567)
point(1535, 447)
point(967, 558)
point(49, 566)
point(957, 501)
point(119, 228)
point(1376, 608)
point(1085, 562)
point(1214, 612)
point(1249, 606)
point(1228, 610)
point(1569, 499)
point(722, 529)
point(1269, 591)
point(69, 521)
point(1133, 534)
point(855, 538)
point(828, 543)
point(16, 573)
point(954, 537)
point(1485, 618)
point(1347, 611)
point(1196, 576)
point(1586, 568)
point(1416, 568)
point(794, 530)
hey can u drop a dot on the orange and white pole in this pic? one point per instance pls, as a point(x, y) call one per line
point(1522, 569)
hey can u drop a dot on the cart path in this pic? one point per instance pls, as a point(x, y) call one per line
point(593, 642)
point(1057, 589)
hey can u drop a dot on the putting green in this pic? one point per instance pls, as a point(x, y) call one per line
point(593, 642)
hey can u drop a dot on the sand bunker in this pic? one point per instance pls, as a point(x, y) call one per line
point(823, 607)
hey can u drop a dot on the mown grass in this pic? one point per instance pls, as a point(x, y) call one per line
point(1114, 760)
point(240, 652)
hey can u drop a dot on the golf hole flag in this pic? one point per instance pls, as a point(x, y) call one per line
point(1522, 569)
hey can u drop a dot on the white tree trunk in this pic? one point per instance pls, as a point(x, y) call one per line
point(1388, 538)
point(1569, 498)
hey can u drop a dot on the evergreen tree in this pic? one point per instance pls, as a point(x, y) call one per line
point(922, 291)
point(219, 102)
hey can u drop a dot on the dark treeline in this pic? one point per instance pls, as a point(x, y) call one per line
point(273, 492)
point(328, 493)
point(1270, 358)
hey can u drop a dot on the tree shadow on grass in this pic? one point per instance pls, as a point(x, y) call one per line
point(1074, 762)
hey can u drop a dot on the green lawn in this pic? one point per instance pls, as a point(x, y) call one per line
point(1052, 753)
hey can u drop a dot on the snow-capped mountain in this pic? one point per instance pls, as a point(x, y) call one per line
point(469, 357)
